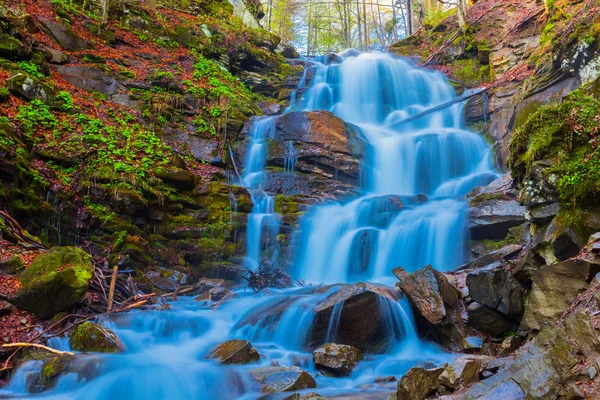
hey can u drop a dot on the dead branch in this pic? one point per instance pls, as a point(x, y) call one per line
point(37, 346)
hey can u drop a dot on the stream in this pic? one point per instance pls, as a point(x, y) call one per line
point(429, 164)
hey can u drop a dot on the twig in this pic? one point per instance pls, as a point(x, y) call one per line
point(233, 162)
point(111, 290)
point(37, 346)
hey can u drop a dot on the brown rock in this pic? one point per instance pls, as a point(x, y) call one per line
point(436, 302)
point(337, 358)
point(235, 352)
point(418, 384)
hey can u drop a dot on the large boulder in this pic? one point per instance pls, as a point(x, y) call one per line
point(324, 150)
point(436, 305)
point(89, 79)
point(554, 288)
point(282, 379)
point(64, 36)
point(235, 352)
point(361, 321)
point(55, 281)
point(30, 88)
point(337, 358)
point(493, 218)
point(418, 383)
point(497, 288)
point(90, 337)
point(487, 320)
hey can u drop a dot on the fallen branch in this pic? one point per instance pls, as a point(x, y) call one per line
point(437, 108)
point(233, 162)
point(37, 346)
point(111, 291)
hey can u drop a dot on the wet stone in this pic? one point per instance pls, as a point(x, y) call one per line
point(235, 352)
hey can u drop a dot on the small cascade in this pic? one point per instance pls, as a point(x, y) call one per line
point(290, 157)
point(263, 223)
point(334, 322)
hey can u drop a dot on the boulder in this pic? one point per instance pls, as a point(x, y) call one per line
point(89, 79)
point(488, 320)
point(64, 36)
point(53, 369)
point(290, 52)
point(282, 379)
point(308, 396)
point(361, 321)
point(497, 288)
point(492, 219)
point(554, 288)
point(11, 48)
point(542, 213)
point(176, 177)
point(93, 338)
point(55, 281)
point(324, 146)
point(418, 384)
point(30, 88)
point(162, 284)
point(436, 306)
point(493, 258)
point(11, 265)
point(337, 358)
point(463, 370)
point(235, 352)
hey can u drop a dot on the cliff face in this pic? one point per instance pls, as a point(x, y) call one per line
point(117, 122)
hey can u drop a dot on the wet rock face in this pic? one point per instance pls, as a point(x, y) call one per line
point(30, 88)
point(55, 281)
point(336, 358)
point(436, 305)
point(282, 379)
point(235, 352)
point(91, 337)
point(326, 150)
point(360, 320)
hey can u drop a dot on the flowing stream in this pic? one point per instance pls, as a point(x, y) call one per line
point(410, 213)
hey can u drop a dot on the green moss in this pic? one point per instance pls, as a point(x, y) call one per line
point(565, 134)
point(55, 280)
point(52, 369)
point(470, 72)
point(91, 337)
point(484, 198)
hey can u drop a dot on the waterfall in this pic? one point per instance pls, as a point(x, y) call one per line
point(432, 156)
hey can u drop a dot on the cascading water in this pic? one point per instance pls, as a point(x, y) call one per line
point(410, 214)
point(432, 156)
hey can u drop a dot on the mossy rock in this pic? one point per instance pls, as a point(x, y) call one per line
point(54, 368)
point(30, 88)
point(11, 265)
point(93, 338)
point(11, 48)
point(55, 281)
point(176, 177)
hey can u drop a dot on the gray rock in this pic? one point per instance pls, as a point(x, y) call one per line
point(90, 79)
point(497, 288)
point(543, 213)
point(488, 320)
point(64, 36)
point(503, 254)
point(281, 379)
point(554, 288)
point(492, 219)
point(463, 370)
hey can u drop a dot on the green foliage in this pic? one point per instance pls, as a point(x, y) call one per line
point(66, 101)
point(567, 134)
point(34, 116)
point(31, 69)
